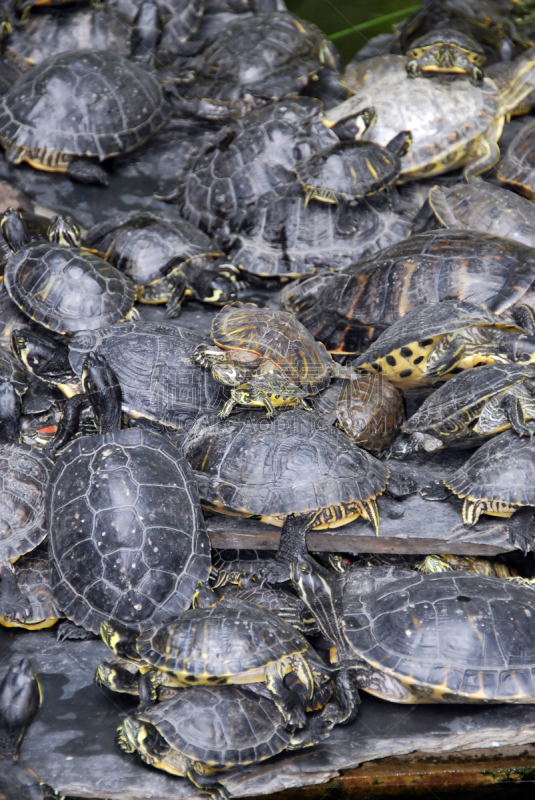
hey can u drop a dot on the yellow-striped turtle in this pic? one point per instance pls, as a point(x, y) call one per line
point(446, 51)
point(435, 340)
point(444, 638)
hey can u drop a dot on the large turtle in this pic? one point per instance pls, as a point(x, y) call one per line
point(453, 123)
point(349, 309)
point(78, 106)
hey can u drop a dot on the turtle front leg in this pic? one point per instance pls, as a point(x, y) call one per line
point(524, 316)
point(485, 152)
point(13, 603)
point(10, 411)
point(69, 421)
point(88, 172)
point(445, 355)
point(227, 408)
point(196, 774)
point(515, 414)
point(285, 699)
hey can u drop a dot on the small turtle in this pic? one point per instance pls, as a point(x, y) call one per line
point(369, 409)
point(449, 637)
point(293, 467)
point(453, 123)
point(471, 407)
point(108, 105)
point(267, 391)
point(167, 736)
point(496, 480)
point(516, 168)
point(435, 340)
point(63, 287)
point(484, 207)
point(446, 51)
point(351, 170)
point(349, 309)
point(231, 642)
point(165, 258)
point(252, 342)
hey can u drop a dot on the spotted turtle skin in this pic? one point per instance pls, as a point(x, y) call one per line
point(67, 289)
point(347, 311)
point(128, 540)
point(448, 638)
point(80, 103)
point(24, 476)
point(152, 363)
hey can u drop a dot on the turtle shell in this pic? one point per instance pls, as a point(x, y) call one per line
point(450, 411)
point(67, 289)
point(119, 549)
point(501, 470)
point(449, 637)
point(283, 237)
point(444, 118)
point(152, 362)
point(289, 466)
point(228, 728)
point(348, 310)
point(141, 244)
point(222, 641)
point(81, 103)
point(484, 207)
point(24, 475)
point(277, 337)
point(517, 168)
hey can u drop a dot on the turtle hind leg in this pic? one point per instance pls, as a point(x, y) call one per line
point(515, 415)
point(524, 316)
point(67, 631)
point(521, 529)
point(214, 789)
point(88, 172)
point(287, 700)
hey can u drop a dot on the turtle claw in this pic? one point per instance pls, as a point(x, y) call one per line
point(436, 490)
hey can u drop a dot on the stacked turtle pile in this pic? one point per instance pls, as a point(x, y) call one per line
point(345, 302)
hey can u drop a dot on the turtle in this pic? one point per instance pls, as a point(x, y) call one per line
point(471, 407)
point(453, 123)
point(268, 391)
point(251, 342)
point(437, 340)
point(165, 258)
point(255, 156)
point(32, 574)
point(293, 467)
point(495, 480)
point(108, 105)
point(168, 737)
point(350, 170)
point(516, 168)
point(24, 475)
point(150, 361)
point(482, 206)
point(369, 409)
point(284, 238)
point(446, 51)
point(61, 287)
point(348, 310)
point(390, 638)
point(118, 549)
point(481, 566)
point(250, 61)
point(231, 642)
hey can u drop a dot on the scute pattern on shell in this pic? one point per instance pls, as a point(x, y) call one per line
point(66, 289)
point(292, 465)
point(24, 475)
point(480, 626)
point(128, 540)
point(232, 726)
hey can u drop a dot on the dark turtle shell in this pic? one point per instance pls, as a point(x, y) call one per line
point(517, 168)
point(157, 377)
point(119, 549)
point(291, 466)
point(141, 244)
point(449, 637)
point(253, 725)
point(501, 470)
point(80, 103)
point(282, 237)
point(67, 289)
point(24, 475)
point(231, 637)
point(450, 412)
point(481, 206)
point(277, 337)
point(348, 310)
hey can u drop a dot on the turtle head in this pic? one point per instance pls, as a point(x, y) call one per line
point(42, 356)
point(245, 395)
point(221, 288)
point(354, 126)
point(134, 735)
point(120, 639)
point(20, 698)
point(14, 229)
point(229, 372)
point(64, 231)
